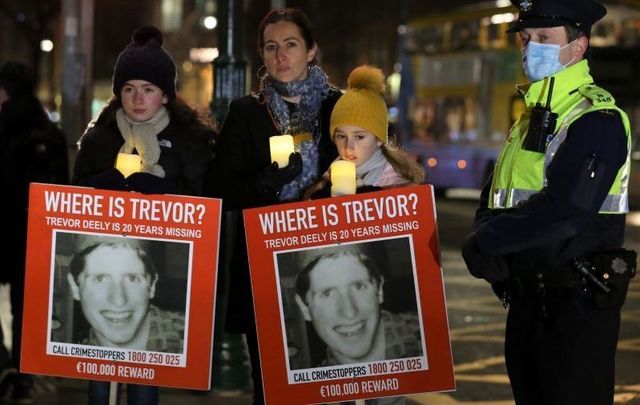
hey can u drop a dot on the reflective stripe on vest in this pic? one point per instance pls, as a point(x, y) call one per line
point(616, 202)
point(613, 204)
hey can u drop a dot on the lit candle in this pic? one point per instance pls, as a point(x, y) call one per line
point(281, 147)
point(343, 178)
point(128, 164)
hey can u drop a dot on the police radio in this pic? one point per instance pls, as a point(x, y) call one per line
point(541, 124)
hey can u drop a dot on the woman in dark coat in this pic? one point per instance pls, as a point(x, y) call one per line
point(185, 153)
point(295, 98)
point(147, 117)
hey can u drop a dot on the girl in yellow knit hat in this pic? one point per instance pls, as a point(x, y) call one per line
point(359, 129)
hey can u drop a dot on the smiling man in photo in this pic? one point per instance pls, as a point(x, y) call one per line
point(341, 295)
point(114, 282)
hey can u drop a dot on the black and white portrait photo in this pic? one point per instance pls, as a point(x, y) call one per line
point(350, 303)
point(120, 292)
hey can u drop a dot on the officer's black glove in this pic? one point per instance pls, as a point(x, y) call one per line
point(491, 268)
point(272, 179)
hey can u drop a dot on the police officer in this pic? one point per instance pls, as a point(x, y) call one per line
point(558, 191)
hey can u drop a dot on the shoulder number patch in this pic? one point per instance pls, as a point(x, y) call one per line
point(597, 95)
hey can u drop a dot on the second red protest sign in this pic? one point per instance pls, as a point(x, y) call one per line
point(349, 297)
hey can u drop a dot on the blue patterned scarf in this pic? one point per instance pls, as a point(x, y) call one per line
point(299, 119)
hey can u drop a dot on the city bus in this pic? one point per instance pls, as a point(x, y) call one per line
point(459, 71)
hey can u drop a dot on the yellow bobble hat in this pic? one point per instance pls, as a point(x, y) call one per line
point(362, 104)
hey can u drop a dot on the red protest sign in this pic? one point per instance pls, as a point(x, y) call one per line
point(120, 286)
point(349, 297)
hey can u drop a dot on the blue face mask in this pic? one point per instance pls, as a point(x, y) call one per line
point(542, 60)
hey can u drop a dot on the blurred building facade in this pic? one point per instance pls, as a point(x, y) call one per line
point(366, 32)
point(346, 38)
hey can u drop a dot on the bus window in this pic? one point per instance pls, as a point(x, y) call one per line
point(463, 70)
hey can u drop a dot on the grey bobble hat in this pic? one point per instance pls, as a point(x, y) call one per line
point(145, 59)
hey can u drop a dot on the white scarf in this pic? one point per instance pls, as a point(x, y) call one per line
point(143, 137)
point(368, 173)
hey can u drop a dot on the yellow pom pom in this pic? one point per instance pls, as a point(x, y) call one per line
point(368, 78)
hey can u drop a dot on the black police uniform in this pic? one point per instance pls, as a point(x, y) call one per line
point(560, 347)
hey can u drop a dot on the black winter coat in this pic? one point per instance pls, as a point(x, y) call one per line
point(562, 220)
point(242, 152)
point(185, 157)
point(33, 150)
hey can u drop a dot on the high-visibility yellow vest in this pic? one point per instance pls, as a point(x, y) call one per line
point(520, 173)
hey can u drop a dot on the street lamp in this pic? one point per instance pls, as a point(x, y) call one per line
point(46, 45)
point(210, 22)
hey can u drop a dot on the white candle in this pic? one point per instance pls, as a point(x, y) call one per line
point(128, 164)
point(343, 178)
point(281, 147)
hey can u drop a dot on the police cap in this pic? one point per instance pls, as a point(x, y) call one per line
point(581, 14)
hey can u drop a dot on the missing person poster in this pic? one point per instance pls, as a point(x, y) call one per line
point(114, 280)
point(349, 297)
